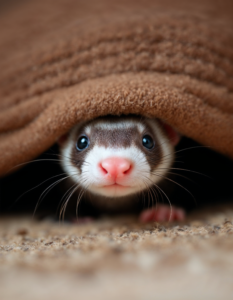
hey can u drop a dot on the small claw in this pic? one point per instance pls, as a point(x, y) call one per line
point(179, 214)
point(162, 213)
point(147, 215)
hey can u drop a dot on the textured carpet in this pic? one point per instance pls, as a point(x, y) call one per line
point(118, 258)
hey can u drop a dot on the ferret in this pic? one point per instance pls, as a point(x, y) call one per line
point(116, 159)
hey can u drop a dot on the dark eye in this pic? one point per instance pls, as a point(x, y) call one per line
point(147, 142)
point(82, 143)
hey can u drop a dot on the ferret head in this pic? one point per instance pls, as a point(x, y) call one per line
point(118, 156)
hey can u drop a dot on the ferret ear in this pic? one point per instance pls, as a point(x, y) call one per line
point(172, 134)
point(62, 139)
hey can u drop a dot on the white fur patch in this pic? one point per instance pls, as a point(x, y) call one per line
point(113, 126)
point(97, 182)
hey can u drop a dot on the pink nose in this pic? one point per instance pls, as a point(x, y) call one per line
point(115, 167)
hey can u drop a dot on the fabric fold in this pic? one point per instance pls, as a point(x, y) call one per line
point(158, 60)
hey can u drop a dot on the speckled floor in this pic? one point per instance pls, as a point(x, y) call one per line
point(118, 258)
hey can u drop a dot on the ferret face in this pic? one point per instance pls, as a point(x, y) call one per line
point(117, 156)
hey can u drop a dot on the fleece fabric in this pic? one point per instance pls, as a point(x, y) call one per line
point(68, 61)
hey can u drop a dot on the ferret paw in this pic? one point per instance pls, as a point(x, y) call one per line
point(162, 213)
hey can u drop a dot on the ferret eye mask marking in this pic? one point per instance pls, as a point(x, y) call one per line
point(117, 156)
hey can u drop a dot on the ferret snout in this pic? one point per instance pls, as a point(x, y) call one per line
point(113, 168)
point(118, 156)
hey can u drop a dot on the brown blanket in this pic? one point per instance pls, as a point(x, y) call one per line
point(66, 61)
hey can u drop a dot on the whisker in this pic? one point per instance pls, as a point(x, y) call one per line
point(63, 209)
point(172, 173)
point(176, 184)
point(46, 191)
point(34, 161)
point(79, 199)
point(187, 170)
point(153, 183)
point(35, 188)
point(64, 196)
